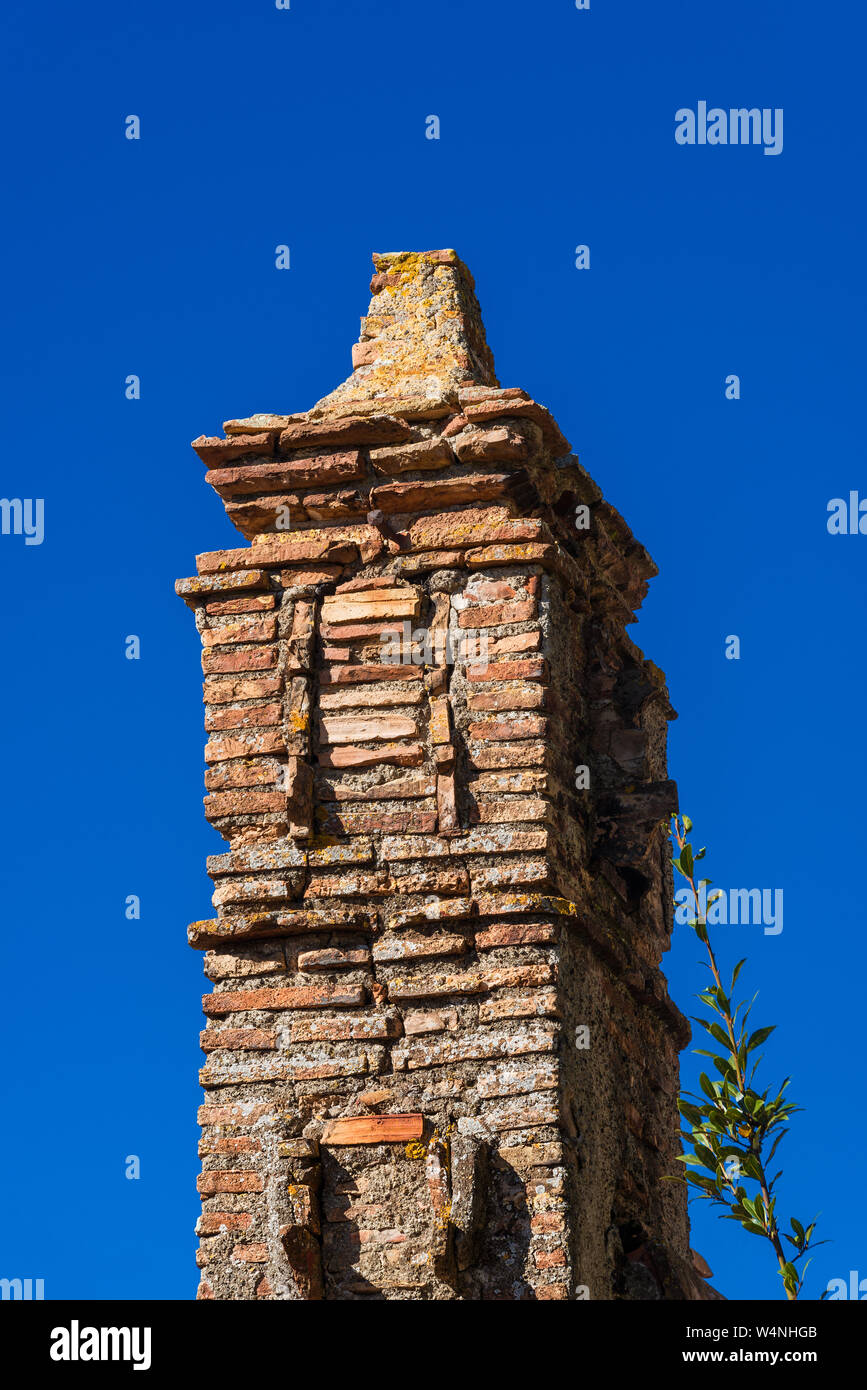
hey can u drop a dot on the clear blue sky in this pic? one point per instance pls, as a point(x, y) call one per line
point(156, 257)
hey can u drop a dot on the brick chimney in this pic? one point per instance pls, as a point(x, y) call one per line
point(441, 1058)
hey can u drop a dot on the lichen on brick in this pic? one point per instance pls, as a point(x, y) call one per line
point(420, 917)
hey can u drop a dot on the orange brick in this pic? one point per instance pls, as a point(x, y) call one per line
point(255, 1254)
point(547, 1222)
point(498, 614)
point(303, 997)
point(209, 1183)
point(534, 668)
point(211, 1222)
point(549, 1259)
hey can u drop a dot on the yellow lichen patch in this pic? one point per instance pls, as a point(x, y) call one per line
point(444, 1213)
point(432, 327)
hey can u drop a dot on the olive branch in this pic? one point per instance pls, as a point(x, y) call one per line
point(734, 1130)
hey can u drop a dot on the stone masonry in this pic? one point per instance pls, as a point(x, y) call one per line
point(441, 1059)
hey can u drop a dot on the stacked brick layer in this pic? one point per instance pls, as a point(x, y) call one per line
point(441, 1061)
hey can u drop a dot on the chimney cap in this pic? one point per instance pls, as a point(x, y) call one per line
point(422, 335)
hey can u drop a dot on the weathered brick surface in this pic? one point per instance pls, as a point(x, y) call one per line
point(440, 1059)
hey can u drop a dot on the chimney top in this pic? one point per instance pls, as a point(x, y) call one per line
point(422, 336)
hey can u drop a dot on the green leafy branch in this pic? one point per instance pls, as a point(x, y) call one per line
point(732, 1129)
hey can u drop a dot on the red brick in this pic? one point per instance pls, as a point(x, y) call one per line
point(250, 716)
point(398, 754)
point(215, 451)
point(495, 615)
point(547, 1222)
point(527, 697)
point(549, 1259)
point(217, 750)
point(535, 668)
point(488, 590)
point(439, 492)
point(209, 1183)
point(354, 675)
point(276, 477)
point(243, 803)
point(210, 1222)
point(237, 1144)
point(283, 552)
point(530, 726)
point(250, 773)
point(519, 934)
point(256, 603)
point(254, 659)
point(351, 429)
point(249, 630)
point(308, 578)
point(522, 408)
point(502, 755)
point(223, 692)
point(302, 997)
point(255, 1254)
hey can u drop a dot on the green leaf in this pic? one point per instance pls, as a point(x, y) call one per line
point(777, 1141)
point(705, 1156)
point(707, 1086)
point(737, 970)
point(753, 1227)
point(689, 1112)
point(706, 1184)
point(759, 1037)
point(686, 861)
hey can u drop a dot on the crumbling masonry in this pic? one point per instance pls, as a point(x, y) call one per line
point(441, 1059)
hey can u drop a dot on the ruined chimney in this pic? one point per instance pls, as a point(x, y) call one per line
point(441, 1059)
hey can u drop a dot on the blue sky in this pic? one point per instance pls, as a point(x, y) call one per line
point(156, 258)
